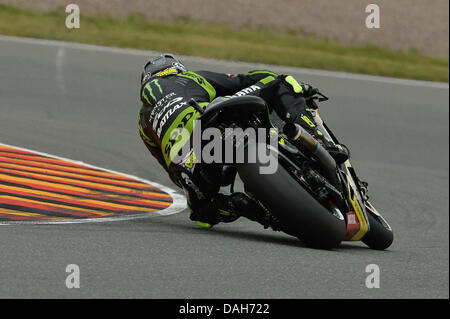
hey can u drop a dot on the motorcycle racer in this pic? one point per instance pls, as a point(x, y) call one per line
point(167, 88)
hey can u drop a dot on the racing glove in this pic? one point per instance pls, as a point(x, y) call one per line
point(304, 89)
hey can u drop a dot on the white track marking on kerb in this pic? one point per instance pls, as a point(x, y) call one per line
point(178, 205)
point(216, 62)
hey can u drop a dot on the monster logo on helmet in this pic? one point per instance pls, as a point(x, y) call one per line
point(162, 65)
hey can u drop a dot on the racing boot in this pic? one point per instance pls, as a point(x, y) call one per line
point(249, 208)
point(227, 209)
point(307, 120)
point(219, 209)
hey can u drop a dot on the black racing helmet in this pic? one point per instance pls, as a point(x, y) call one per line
point(162, 65)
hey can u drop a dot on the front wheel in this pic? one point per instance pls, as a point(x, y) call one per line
point(380, 236)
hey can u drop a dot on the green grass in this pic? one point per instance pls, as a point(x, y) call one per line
point(218, 41)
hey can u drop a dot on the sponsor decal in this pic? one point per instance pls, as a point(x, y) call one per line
point(308, 121)
point(158, 105)
point(166, 116)
point(248, 90)
point(189, 161)
point(162, 110)
point(167, 71)
point(352, 225)
point(147, 91)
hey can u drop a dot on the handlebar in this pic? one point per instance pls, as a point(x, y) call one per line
point(317, 95)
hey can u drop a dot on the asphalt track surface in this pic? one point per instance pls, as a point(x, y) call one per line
point(82, 103)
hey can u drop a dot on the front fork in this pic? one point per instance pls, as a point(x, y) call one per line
point(356, 219)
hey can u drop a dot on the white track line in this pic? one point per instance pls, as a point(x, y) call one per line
point(216, 62)
point(178, 205)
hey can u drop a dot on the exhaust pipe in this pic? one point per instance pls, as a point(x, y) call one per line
point(302, 138)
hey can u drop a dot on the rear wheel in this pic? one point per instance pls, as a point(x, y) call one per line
point(299, 214)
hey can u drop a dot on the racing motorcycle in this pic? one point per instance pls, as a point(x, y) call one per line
point(309, 196)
